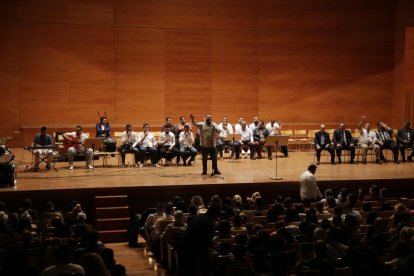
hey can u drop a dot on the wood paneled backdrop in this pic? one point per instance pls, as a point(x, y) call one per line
point(302, 62)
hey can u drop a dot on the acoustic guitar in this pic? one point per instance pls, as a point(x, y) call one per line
point(75, 142)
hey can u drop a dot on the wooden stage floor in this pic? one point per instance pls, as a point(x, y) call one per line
point(237, 172)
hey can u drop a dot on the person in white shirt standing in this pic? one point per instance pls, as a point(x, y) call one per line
point(246, 140)
point(274, 128)
point(166, 144)
point(75, 142)
point(186, 145)
point(128, 139)
point(308, 187)
point(146, 143)
point(368, 140)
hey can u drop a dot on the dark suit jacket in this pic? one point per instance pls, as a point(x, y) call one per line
point(317, 140)
point(256, 134)
point(401, 135)
point(337, 137)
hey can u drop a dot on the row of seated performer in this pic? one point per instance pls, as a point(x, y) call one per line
point(179, 141)
point(377, 140)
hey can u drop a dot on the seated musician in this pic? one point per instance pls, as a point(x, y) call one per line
point(246, 140)
point(43, 139)
point(222, 141)
point(386, 141)
point(343, 140)
point(166, 144)
point(103, 129)
point(405, 139)
point(175, 131)
point(323, 142)
point(128, 138)
point(181, 125)
point(186, 145)
point(75, 142)
point(146, 143)
point(259, 138)
point(237, 126)
point(255, 124)
point(368, 140)
point(274, 129)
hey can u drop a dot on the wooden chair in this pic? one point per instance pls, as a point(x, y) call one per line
point(301, 135)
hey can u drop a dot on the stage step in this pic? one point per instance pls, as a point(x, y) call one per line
point(112, 217)
point(108, 236)
point(112, 200)
point(112, 223)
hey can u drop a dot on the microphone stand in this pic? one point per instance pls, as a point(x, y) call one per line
point(276, 178)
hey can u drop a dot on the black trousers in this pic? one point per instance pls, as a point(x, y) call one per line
point(168, 155)
point(345, 147)
point(393, 147)
point(205, 152)
point(328, 149)
point(403, 146)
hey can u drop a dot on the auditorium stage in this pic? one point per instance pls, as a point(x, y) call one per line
point(242, 176)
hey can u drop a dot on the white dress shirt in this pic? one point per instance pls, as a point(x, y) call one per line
point(368, 138)
point(246, 134)
point(129, 138)
point(273, 130)
point(229, 128)
point(149, 140)
point(186, 139)
point(237, 127)
point(252, 126)
point(308, 187)
point(167, 139)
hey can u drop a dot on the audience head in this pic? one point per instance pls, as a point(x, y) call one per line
point(178, 216)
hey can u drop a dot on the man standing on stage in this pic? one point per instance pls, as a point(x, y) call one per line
point(208, 129)
point(308, 187)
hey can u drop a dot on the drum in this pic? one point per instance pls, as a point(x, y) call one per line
point(110, 146)
point(6, 156)
point(7, 175)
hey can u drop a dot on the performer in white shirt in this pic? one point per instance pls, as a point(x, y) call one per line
point(166, 144)
point(237, 126)
point(308, 186)
point(368, 140)
point(246, 140)
point(75, 142)
point(186, 145)
point(128, 139)
point(273, 127)
point(222, 141)
point(146, 143)
point(255, 124)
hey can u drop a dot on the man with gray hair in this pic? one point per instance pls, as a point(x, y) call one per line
point(322, 142)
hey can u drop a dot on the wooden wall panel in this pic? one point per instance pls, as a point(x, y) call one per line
point(235, 74)
point(139, 13)
point(140, 76)
point(235, 14)
point(90, 12)
point(187, 14)
point(188, 83)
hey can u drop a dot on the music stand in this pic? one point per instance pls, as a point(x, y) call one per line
point(276, 140)
point(94, 143)
point(233, 137)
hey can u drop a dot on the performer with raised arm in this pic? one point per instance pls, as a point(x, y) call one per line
point(368, 140)
point(186, 145)
point(405, 139)
point(74, 141)
point(208, 129)
point(43, 139)
point(146, 143)
point(128, 139)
